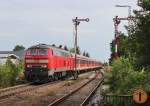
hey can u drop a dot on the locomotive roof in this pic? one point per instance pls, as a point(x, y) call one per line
point(40, 46)
point(45, 46)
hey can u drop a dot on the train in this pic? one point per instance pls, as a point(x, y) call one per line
point(45, 62)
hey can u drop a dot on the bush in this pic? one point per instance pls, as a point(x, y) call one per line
point(125, 79)
point(9, 73)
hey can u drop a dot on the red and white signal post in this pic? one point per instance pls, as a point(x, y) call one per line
point(117, 21)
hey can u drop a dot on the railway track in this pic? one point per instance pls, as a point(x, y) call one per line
point(12, 91)
point(14, 87)
point(86, 101)
point(79, 96)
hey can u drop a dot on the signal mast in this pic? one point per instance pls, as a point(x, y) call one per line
point(76, 23)
point(117, 21)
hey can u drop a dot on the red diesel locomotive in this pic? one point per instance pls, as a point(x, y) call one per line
point(45, 62)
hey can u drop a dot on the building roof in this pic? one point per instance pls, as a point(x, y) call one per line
point(5, 52)
point(9, 55)
point(19, 54)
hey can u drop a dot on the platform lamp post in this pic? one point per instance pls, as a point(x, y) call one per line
point(76, 22)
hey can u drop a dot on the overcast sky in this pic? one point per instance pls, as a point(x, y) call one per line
point(29, 22)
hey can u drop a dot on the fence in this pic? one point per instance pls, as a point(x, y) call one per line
point(121, 100)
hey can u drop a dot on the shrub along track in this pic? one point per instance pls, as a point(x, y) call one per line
point(39, 94)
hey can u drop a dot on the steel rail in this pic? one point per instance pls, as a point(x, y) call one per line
point(14, 87)
point(86, 101)
point(56, 102)
point(11, 91)
point(18, 91)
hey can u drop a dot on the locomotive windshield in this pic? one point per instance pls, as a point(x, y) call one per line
point(42, 51)
point(37, 51)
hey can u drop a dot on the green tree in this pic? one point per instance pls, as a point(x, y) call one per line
point(53, 45)
point(122, 46)
point(9, 73)
point(125, 79)
point(78, 50)
point(84, 53)
point(139, 40)
point(18, 47)
point(60, 46)
point(87, 55)
point(65, 48)
point(73, 50)
point(13, 72)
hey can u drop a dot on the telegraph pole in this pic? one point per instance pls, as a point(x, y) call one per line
point(76, 22)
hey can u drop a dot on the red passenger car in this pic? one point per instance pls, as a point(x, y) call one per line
point(45, 62)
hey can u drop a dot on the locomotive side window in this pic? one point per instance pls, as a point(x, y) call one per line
point(60, 53)
point(56, 53)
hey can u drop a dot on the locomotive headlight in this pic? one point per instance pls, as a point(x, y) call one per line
point(29, 66)
point(44, 66)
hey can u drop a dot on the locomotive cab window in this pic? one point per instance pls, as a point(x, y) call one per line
point(42, 51)
point(31, 51)
point(37, 51)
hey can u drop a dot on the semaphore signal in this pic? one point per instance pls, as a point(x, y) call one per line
point(117, 20)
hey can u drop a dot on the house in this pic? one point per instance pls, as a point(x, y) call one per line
point(13, 55)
